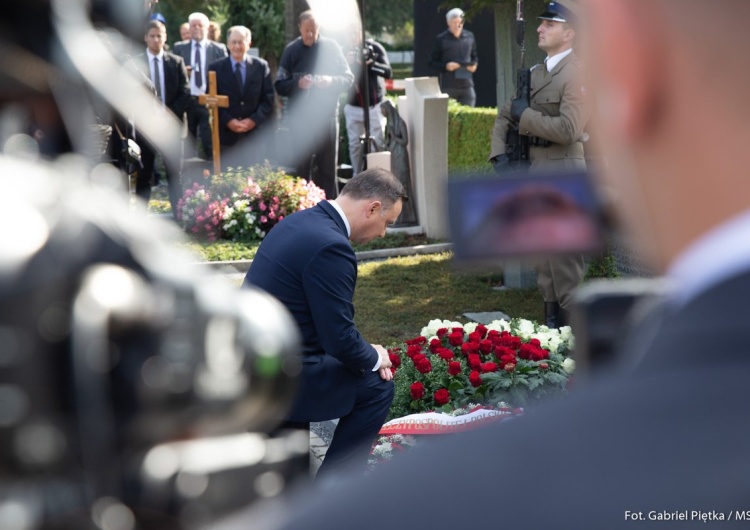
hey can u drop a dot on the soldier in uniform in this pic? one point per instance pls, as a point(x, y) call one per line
point(554, 121)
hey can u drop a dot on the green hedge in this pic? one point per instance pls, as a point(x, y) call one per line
point(469, 135)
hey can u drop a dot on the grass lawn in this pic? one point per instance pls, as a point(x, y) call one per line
point(396, 298)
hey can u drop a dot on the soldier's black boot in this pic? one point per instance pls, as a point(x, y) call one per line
point(551, 314)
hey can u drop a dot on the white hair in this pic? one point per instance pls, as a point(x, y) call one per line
point(198, 16)
point(454, 13)
point(242, 30)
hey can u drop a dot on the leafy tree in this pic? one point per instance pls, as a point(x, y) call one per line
point(265, 18)
point(387, 16)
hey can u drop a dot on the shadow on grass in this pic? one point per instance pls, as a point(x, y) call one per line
point(396, 298)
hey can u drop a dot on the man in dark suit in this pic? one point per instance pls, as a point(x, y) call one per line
point(198, 54)
point(246, 80)
point(169, 77)
point(664, 441)
point(307, 262)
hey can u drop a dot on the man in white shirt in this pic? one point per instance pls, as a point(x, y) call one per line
point(199, 53)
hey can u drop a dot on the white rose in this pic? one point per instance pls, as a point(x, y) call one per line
point(525, 329)
point(569, 365)
point(499, 325)
point(470, 327)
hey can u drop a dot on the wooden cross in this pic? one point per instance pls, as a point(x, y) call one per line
point(213, 101)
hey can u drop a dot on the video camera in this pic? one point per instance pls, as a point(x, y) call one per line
point(530, 216)
point(135, 391)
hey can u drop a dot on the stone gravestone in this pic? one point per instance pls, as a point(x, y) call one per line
point(425, 110)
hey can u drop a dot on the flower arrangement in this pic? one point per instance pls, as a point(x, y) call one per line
point(243, 204)
point(451, 365)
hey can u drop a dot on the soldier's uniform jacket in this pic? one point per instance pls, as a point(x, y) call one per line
point(557, 113)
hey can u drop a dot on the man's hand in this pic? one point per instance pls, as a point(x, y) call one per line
point(472, 67)
point(517, 106)
point(452, 66)
point(385, 363)
point(305, 82)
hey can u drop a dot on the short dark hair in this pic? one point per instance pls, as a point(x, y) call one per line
point(377, 184)
point(155, 24)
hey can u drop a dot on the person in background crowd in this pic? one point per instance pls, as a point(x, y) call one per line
point(198, 53)
point(247, 82)
point(185, 31)
point(214, 31)
point(169, 77)
point(313, 72)
point(454, 56)
point(554, 120)
point(375, 58)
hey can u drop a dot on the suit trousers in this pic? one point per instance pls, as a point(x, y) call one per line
point(199, 127)
point(145, 177)
point(558, 279)
point(355, 433)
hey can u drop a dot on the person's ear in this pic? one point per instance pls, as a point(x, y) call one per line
point(373, 208)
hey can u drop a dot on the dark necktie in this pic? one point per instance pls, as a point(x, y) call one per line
point(157, 79)
point(197, 66)
point(238, 75)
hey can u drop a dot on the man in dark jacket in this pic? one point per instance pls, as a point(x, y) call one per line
point(454, 55)
point(308, 264)
point(313, 72)
point(169, 77)
point(246, 80)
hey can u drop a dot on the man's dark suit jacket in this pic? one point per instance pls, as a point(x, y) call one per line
point(254, 101)
point(176, 88)
point(214, 51)
point(307, 263)
point(672, 435)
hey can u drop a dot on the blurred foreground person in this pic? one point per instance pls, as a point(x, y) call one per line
point(666, 439)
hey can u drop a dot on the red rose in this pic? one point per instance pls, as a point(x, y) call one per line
point(413, 350)
point(508, 359)
point(489, 367)
point(485, 346)
point(535, 342)
point(395, 359)
point(445, 354)
point(493, 334)
point(442, 396)
point(457, 330)
point(544, 366)
point(434, 345)
point(475, 362)
point(454, 368)
point(417, 390)
point(475, 336)
point(441, 332)
point(424, 366)
point(474, 379)
point(482, 330)
point(469, 348)
point(418, 358)
point(504, 351)
point(456, 338)
point(421, 340)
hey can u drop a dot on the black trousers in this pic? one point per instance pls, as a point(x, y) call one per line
point(146, 175)
point(199, 127)
point(355, 433)
point(320, 165)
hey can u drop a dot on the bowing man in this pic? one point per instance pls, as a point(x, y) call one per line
point(246, 80)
